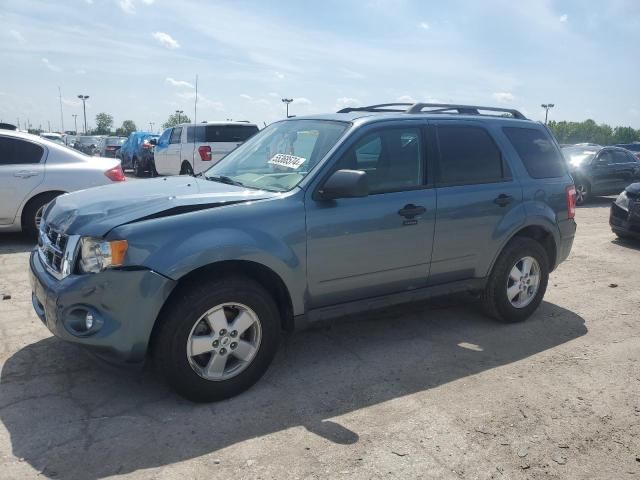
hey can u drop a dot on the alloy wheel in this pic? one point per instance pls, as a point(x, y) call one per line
point(523, 282)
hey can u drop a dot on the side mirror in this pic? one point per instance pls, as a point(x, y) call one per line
point(153, 141)
point(345, 184)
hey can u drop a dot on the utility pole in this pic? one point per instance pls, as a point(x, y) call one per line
point(84, 98)
point(179, 113)
point(75, 122)
point(61, 116)
point(546, 107)
point(287, 101)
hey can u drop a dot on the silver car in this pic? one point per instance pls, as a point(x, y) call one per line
point(34, 170)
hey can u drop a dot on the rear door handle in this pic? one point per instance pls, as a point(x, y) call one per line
point(410, 211)
point(503, 200)
point(25, 174)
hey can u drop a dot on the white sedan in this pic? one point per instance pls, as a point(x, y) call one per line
point(34, 170)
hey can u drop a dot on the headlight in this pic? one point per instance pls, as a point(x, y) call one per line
point(623, 201)
point(96, 254)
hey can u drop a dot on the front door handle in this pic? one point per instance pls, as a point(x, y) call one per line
point(410, 211)
point(25, 174)
point(503, 200)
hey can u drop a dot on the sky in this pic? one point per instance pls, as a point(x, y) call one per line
point(138, 59)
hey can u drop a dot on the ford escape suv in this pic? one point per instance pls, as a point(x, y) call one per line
point(312, 218)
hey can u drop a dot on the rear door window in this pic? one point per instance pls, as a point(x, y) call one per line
point(537, 152)
point(468, 155)
point(175, 135)
point(620, 156)
point(229, 133)
point(14, 151)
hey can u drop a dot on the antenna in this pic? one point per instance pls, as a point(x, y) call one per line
point(195, 126)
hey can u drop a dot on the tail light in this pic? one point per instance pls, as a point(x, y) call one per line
point(115, 174)
point(146, 145)
point(571, 201)
point(205, 153)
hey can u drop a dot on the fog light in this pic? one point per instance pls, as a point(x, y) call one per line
point(88, 321)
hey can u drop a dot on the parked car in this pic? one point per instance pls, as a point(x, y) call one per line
point(54, 137)
point(600, 170)
point(34, 170)
point(312, 218)
point(192, 148)
point(111, 145)
point(137, 152)
point(89, 145)
point(632, 147)
point(624, 217)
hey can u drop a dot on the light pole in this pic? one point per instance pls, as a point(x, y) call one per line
point(75, 122)
point(546, 107)
point(151, 126)
point(84, 109)
point(179, 113)
point(287, 101)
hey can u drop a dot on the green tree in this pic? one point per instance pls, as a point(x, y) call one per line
point(128, 127)
point(625, 135)
point(176, 119)
point(104, 123)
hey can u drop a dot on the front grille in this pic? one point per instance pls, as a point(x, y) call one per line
point(57, 250)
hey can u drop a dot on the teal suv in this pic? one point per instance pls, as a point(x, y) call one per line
point(312, 218)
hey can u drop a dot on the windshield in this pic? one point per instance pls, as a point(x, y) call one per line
point(280, 156)
point(576, 156)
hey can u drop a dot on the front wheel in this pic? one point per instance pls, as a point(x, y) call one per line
point(217, 338)
point(138, 169)
point(583, 192)
point(517, 282)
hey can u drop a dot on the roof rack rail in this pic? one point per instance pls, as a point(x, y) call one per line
point(435, 108)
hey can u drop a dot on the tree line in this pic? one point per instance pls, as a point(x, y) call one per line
point(104, 124)
point(590, 132)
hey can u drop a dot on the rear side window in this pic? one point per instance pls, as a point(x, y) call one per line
point(14, 151)
point(468, 155)
point(228, 133)
point(537, 152)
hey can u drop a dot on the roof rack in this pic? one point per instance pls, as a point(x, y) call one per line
point(434, 108)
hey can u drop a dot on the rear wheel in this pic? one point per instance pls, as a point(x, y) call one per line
point(217, 338)
point(583, 192)
point(32, 213)
point(518, 281)
point(186, 169)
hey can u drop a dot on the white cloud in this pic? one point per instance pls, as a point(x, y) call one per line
point(564, 18)
point(148, 2)
point(178, 83)
point(89, 2)
point(424, 26)
point(245, 96)
point(81, 71)
point(406, 99)
point(71, 102)
point(279, 75)
point(274, 94)
point(16, 35)
point(503, 97)
point(203, 102)
point(344, 102)
point(165, 40)
point(127, 6)
point(51, 66)
point(302, 101)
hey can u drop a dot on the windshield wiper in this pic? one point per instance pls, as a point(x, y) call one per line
point(225, 179)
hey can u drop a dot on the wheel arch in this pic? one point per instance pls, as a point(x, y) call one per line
point(265, 276)
point(33, 198)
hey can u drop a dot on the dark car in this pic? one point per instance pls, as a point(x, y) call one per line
point(110, 146)
point(600, 170)
point(632, 147)
point(137, 152)
point(625, 213)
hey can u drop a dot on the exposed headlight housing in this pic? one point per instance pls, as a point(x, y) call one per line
point(96, 255)
point(623, 201)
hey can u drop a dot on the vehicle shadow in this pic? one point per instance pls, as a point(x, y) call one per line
point(69, 416)
point(15, 243)
point(631, 243)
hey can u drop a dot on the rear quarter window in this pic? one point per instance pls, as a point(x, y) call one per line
point(229, 133)
point(537, 151)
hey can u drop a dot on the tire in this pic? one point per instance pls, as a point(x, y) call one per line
point(186, 169)
point(495, 298)
point(583, 191)
point(32, 209)
point(138, 169)
point(179, 323)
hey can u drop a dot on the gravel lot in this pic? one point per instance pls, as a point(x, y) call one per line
point(428, 391)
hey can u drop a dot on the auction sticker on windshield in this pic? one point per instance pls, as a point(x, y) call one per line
point(288, 161)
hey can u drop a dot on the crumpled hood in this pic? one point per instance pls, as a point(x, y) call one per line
point(96, 211)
